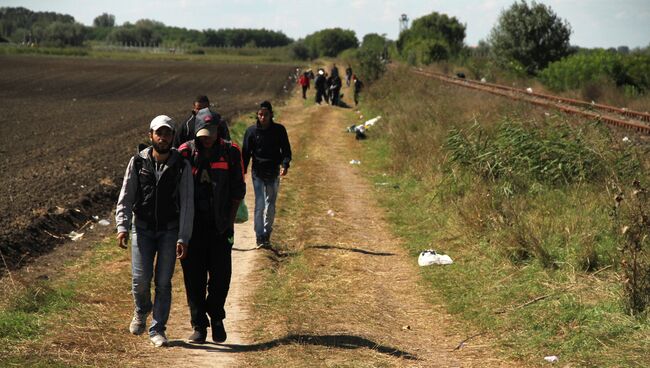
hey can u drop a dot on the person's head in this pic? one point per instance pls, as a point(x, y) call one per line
point(207, 134)
point(207, 130)
point(265, 113)
point(200, 102)
point(161, 133)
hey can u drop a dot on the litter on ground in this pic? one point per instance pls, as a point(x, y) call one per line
point(104, 222)
point(355, 162)
point(551, 359)
point(74, 236)
point(430, 257)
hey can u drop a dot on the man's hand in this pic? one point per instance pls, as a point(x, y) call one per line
point(122, 240)
point(284, 171)
point(181, 250)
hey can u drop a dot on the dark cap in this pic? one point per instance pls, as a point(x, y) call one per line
point(207, 116)
point(266, 105)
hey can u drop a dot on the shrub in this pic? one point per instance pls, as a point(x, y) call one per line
point(594, 67)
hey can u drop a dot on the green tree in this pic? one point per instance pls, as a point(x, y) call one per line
point(529, 37)
point(330, 42)
point(431, 38)
point(104, 20)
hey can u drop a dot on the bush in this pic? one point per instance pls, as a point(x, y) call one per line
point(521, 156)
point(595, 67)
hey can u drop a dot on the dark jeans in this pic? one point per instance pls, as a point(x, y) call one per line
point(208, 263)
point(304, 91)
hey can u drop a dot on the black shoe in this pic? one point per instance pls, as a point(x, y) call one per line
point(199, 336)
point(218, 332)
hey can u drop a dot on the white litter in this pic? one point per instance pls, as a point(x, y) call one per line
point(372, 121)
point(529, 90)
point(430, 257)
point(74, 236)
point(626, 139)
point(330, 213)
point(355, 162)
point(104, 222)
point(483, 80)
point(551, 359)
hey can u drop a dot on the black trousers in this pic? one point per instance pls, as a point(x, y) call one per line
point(304, 91)
point(206, 272)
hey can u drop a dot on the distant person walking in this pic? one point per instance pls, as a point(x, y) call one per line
point(334, 71)
point(348, 75)
point(186, 131)
point(335, 90)
point(267, 144)
point(320, 84)
point(304, 83)
point(357, 87)
point(158, 189)
point(218, 189)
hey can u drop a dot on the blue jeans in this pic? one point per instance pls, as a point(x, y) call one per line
point(266, 192)
point(145, 245)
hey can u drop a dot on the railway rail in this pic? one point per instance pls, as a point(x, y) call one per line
point(623, 118)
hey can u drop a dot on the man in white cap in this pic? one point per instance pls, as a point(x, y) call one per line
point(158, 189)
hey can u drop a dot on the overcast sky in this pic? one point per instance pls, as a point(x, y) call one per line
point(595, 23)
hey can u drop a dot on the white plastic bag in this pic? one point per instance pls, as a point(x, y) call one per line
point(430, 257)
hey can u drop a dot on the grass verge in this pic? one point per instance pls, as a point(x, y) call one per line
point(536, 263)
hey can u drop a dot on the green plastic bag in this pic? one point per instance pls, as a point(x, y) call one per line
point(242, 213)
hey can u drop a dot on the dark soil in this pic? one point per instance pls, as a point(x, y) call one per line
point(69, 125)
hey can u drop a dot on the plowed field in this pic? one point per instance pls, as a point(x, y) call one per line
point(69, 125)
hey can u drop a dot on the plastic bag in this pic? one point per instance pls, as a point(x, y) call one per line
point(430, 257)
point(242, 213)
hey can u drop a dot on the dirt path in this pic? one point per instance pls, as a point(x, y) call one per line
point(380, 313)
point(244, 260)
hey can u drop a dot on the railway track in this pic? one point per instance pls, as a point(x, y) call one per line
point(622, 118)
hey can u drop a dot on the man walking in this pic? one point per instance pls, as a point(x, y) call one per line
point(158, 189)
point(200, 111)
point(267, 144)
point(218, 189)
point(320, 83)
point(303, 81)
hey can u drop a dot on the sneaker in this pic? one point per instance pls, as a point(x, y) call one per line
point(263, 243)
point(199, 336)
point(218, 332)
point(138, 324)
point(158, 340)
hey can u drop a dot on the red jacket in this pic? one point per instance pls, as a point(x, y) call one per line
point(303, 81)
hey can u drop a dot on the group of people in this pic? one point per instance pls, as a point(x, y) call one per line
point(179, 200)
point(328, 86)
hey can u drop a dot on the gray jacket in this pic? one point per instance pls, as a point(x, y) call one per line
point(124, 209)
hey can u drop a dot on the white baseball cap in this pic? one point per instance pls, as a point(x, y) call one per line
point(161, 121)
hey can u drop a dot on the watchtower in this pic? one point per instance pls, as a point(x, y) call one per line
point(403, 23)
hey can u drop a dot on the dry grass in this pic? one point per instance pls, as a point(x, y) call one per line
point(346, 294)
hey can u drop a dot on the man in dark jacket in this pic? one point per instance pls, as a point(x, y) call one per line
point(218, 189)
point(158, 189)
point(267, 144)
point(200, 111)
point(320, 83)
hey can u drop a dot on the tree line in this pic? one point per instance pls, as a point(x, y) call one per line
point(21, 25)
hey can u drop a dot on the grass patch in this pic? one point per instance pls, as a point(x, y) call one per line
point(525, 211)
point(28, 310)
point(40, 323)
